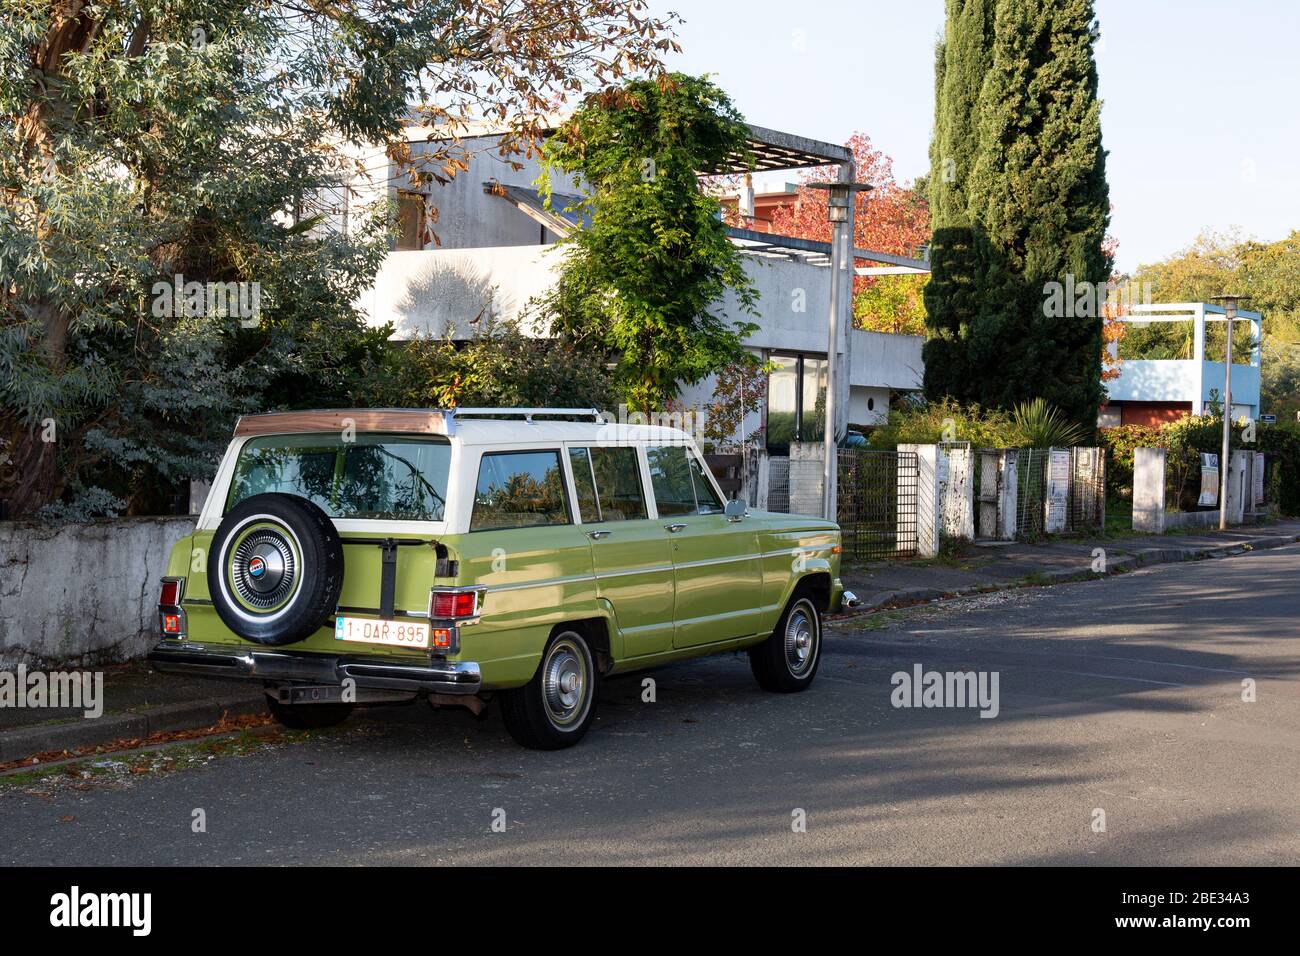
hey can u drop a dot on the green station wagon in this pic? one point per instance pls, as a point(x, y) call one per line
point(367, 556)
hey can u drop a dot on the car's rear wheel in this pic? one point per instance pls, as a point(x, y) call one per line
point(787, 661)
point(555, 708)
point(308, 716)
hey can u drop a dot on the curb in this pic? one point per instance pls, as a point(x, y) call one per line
point(1147, 557)
point(25, 742)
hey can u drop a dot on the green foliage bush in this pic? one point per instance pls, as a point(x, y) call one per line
point(1184, 440)
point(500, 367)
point(1120, 444)
point(1033, 424)
point(946, 420)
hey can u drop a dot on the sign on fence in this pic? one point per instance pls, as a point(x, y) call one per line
point(1056, 501)
point(1209, 480)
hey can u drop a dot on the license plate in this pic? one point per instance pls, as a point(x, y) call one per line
point(371, 631)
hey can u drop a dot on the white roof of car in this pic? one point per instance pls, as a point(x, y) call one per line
point(471, 426)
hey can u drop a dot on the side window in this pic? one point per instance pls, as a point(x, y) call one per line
point(518, 489)
point(670, 474)
point(618, 484)
point(585, 484)
point(705, 496)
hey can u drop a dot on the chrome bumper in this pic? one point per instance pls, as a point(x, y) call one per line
point(461, 677)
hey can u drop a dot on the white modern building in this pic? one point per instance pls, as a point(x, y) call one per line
point(495, 250)
point(1152, 391)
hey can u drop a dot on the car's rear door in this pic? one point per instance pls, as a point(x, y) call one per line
point(717, 571)
point(630, 552)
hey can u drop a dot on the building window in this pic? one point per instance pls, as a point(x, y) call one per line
point(796, 401)
point(410, 217)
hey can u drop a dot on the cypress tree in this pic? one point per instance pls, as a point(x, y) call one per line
point(1038, 207)
point(962, 60)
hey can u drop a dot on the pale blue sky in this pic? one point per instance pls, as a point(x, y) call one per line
point(1200, 118)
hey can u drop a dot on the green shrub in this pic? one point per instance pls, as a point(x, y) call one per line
point(946, 420)
point(1120, 444)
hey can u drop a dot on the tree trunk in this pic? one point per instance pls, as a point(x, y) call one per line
point(29, 473)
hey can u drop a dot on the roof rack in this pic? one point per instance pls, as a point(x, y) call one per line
point(527, 414)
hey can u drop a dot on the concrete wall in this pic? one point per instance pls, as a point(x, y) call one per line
point(82, 595)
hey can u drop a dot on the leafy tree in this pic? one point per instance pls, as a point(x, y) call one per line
point(1037, 205)
point(646, 274)
point(499, 367)
point(741, 390)
point(1216, 262)
point(891, 218)
point(155, 138)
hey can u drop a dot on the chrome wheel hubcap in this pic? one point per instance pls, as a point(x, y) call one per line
point(565, 683)
point(263, 569)
point(801, 639)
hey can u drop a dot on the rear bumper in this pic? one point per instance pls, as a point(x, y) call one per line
point(390, 673)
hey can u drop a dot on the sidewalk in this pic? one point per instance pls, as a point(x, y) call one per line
point(972, 568)
point(139, 702)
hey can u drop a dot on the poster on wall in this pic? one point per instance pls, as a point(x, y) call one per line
point(1209, 480)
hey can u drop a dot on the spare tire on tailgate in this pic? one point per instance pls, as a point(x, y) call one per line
point(275, 568)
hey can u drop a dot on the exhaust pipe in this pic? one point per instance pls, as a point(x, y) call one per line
point(850, 600)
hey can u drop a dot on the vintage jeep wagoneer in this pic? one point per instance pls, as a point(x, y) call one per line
point(363, 556)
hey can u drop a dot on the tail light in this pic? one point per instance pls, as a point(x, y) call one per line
point(451, 604)
point(171, 616)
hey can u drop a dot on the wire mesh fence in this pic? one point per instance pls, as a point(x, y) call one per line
point(778, 484)
point(1087, 510)
point(1031, 490)
point(877, 495)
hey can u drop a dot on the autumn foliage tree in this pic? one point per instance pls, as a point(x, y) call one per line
point(891, 217)
point(148, 138)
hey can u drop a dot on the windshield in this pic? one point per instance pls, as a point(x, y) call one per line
point(373, 476)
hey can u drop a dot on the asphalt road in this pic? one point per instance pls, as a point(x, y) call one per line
point(1122, 695)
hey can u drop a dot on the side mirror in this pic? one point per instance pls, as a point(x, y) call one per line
point(736, 509)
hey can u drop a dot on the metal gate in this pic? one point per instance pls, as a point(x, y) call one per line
point(876, 503)
point(1087, 489)
point(1031, 491)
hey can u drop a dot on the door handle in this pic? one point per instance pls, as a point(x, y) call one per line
point(597, 535)
point(674, 528)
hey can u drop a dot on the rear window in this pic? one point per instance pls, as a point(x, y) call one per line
point(394, 477)
point(519, 489)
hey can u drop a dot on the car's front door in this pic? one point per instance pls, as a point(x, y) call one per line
point(630, 553)
point(716, 567)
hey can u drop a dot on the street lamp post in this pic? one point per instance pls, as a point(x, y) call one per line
point(839, 213)
point(1230, 303)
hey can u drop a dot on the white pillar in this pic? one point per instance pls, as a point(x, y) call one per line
point(957, 493)
point(1149, 490)
point(1009, 498)
point(927, 498)
point(745, 200)
point(1238, 473)
point(1198, 355)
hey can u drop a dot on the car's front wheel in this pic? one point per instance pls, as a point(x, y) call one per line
point(787, 661)
point(555, 708)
